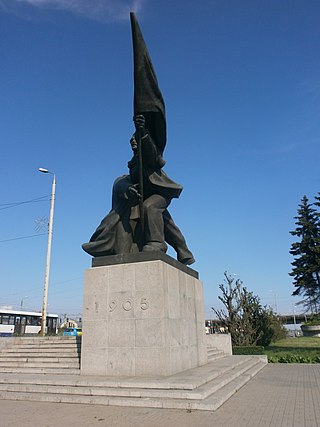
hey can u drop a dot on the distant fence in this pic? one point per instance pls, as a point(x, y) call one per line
point(287, 319)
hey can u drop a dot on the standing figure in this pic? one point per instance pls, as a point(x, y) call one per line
point(120, 231)
point(139, 219)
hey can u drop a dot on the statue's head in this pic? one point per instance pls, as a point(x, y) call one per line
point(133, 143)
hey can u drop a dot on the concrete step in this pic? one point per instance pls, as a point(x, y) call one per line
point(44, 341)
point(215, 400)
point(44, 355)
point(186, 380)
point(96, 390)
point(35, 352)
point(18, 344)
point(31, 370)
point(53, 341)
point(211, 350)
point(22, 349)
point(42, 364)
point(214, 354)
point(46, 345)
point(38, 358)
point(206, 387)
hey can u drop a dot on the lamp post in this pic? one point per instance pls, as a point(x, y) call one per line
point(47, 272)
point(22, 301)
point(275, 300)
point(294, 319)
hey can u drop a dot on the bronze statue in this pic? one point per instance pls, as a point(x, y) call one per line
point(139, 219)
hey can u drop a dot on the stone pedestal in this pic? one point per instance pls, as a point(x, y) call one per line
point(142, 318)
point(310, 330)
point(220, 342)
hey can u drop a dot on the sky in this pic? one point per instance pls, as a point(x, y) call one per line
point(241, 86)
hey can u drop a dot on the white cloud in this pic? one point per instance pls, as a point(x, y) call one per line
point(99, 10)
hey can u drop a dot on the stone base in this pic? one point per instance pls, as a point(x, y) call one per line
point(221, 342)
point(310, 330)
point(204, 388)
point(142, 319)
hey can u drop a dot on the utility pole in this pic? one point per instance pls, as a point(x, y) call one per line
point(48, 259)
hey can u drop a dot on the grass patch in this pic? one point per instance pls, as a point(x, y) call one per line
point(294, 350)
point(298, 342)
point(288, 350)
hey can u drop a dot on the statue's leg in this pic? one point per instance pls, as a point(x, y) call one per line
point(114, 235)
point(102, 241)
point(154, 206)
point(124, 235)
point(174, 237)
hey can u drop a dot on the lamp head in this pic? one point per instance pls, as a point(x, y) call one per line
point(43, 170)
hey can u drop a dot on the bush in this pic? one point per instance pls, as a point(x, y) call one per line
point(249, 323)
point(293, 358)
point(314, 321)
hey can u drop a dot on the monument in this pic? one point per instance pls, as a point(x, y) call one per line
point(143, 341)
point(143, 310)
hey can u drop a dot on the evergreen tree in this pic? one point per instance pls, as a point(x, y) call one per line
point(316, 248)
point(317, 202)
point(306, 267)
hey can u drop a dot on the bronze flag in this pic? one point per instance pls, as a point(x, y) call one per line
point(148, 99)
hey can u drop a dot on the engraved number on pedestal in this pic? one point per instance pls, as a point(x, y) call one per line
point(144, 304)
point(112, 306)
point(128, 305)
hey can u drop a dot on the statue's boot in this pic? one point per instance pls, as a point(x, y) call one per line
point(174, 237)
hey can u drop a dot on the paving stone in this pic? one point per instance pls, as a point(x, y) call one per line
point(280, 395)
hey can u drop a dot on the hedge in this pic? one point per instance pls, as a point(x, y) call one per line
point(258, 349)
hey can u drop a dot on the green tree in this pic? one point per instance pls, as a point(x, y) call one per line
point(316, 248)
point(306, 265)
point(248, 322)
point(271, 327)
point(317, 203)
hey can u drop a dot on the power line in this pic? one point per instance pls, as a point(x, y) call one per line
point(22, 237)
point(36, 289)
point(14, 204)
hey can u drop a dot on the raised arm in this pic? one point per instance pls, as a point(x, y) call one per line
point(150, 153)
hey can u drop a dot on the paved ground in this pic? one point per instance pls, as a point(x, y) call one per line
point(280, 395)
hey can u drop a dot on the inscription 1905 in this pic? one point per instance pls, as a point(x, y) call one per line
point(128, 304)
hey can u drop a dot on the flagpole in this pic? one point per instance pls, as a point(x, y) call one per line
point(140, 166)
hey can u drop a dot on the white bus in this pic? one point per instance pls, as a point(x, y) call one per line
point(25, 322)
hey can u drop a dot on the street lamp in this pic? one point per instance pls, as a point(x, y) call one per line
point(275, 300)
point(22, 300)
point(294, 319)
point(47, 272)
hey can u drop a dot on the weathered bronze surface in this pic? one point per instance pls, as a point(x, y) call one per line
point(139, 220)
